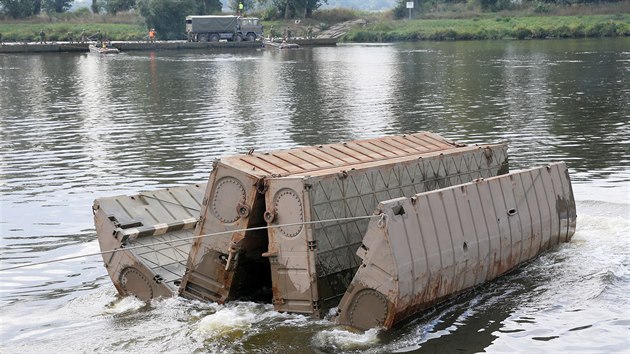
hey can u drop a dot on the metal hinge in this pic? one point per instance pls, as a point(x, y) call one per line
point(312, 245)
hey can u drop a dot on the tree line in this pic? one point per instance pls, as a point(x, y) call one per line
point(421, 6)
point(156, 8)
point(27, 8)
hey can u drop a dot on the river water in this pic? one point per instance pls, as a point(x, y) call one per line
point(75, 127)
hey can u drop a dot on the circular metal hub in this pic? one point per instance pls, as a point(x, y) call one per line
point(288, 210)
point(228, 195)
point(135, 283)
point(368, 309)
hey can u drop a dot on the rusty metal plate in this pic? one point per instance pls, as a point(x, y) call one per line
point(435, 244)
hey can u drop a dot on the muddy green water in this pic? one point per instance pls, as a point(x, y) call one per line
point(75, 127)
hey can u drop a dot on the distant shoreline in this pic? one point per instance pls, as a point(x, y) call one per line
point(65, 47)
point(498, 27)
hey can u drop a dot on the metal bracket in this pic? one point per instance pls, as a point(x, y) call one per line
point(277, 301)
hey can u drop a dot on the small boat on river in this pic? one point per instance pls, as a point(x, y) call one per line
point(282, 45)
point(375, 230)
point(103, 49)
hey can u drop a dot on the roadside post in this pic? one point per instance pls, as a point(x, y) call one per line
point(410, 6)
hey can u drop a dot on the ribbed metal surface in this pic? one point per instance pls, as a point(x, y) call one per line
point(164, 206)
point(312, 266)
point(304, 160)
point(242, 183)
point(355, 193)
point(436, 244)
point(148, 220)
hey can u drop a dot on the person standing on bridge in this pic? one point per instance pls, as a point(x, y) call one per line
point(42, 37)
point(240, 8)
point(152, 35)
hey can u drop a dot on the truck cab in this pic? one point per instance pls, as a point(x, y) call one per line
point(250, 28)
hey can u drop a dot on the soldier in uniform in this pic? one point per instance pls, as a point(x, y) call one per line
point(42, 36)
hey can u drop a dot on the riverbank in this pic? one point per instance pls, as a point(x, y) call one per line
point(66, 31)
point(500, 27)
point(122, 45)
point(373, 29)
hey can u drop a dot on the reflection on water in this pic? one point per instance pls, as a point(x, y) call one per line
point(74, 127)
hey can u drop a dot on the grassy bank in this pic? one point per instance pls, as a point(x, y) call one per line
point(29, 32)
point(124, 26)
point(493, 28)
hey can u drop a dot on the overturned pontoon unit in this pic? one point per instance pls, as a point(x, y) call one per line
point(307, 264)
point(146, 238)
point(433, 245)
point(297, 227)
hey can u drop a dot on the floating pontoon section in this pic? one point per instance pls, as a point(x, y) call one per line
point(424, 249)
point(307, 264)
point(380, 228)
point(143, 238)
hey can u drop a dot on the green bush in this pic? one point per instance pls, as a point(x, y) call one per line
point(563, 32)
point(522, 33)
point(579, 31)
point(336, 15)
point(607, 29)
point(539, 33)
point(540, 7)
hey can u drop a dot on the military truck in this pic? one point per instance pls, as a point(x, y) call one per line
point(215, 28)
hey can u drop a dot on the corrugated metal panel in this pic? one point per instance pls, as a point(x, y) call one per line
point(166, 215)
point(219, 267)
point(229, 204)
point(436, 244)
point(357, 192)
point(303, 160)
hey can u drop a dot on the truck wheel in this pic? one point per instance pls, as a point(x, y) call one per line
point(251, 37)
point(239, 37)
point(214, 37)
point(202, 37)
